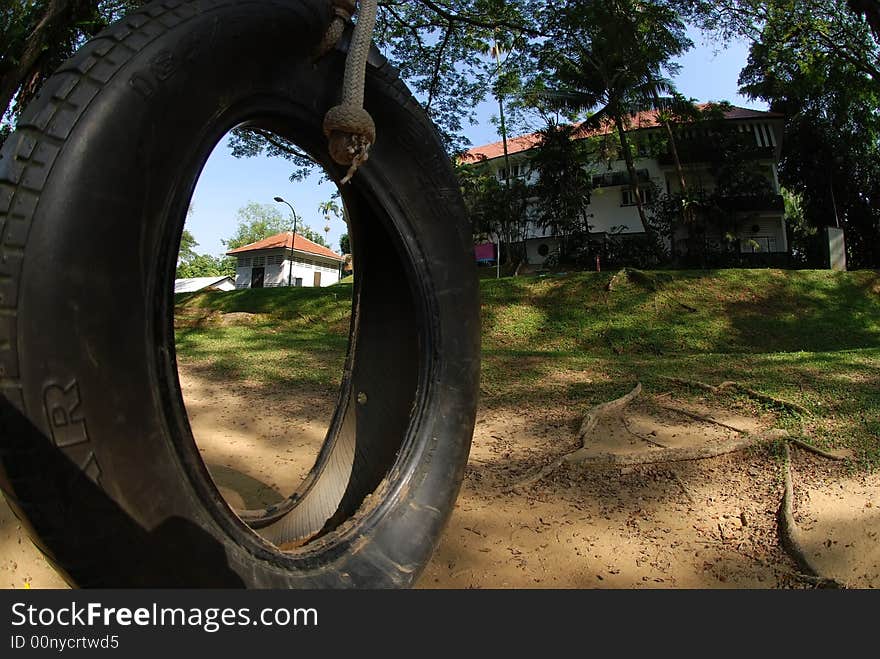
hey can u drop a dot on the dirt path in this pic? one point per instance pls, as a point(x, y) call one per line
point(701, 524)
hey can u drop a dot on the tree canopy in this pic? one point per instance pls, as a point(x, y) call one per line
point(831, 156)
point(610, 57)
point(564, 180)
point(816, 61)
point(205, 265)
point(258, 221)
point(38, 35)
point(191, 264)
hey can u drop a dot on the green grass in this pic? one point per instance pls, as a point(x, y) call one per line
point(812, 337)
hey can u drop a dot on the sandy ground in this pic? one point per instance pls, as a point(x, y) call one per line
point(699, 524)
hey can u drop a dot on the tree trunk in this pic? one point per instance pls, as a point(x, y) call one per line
point(508, 215)
point(679, 170)
point(12, 81)
point(60, 18)
point(687, 213)
point(633, 177)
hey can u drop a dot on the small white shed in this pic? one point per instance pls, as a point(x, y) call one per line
point(285, 260)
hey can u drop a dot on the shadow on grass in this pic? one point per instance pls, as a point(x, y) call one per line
point(747, 311)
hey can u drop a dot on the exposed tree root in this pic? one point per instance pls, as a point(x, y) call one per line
point(684, 488)
point(754, 394)
point(639, 435)
point(583, 457)
point(591, 420)
point(789, 533)
point(751, 393)
point(700, 417)
point(788, 530)
point(817, 451)
point(604, 410)
point(674, 454)
point(794, 574)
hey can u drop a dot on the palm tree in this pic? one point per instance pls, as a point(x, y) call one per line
point(607, 56)
point(330, 208)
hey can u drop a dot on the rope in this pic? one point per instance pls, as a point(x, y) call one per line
point(342, 10)
point(349, 128)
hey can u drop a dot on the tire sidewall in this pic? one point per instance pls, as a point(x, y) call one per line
point(108, 222)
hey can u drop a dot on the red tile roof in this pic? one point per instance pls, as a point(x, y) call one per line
point(645, 119)
point(283, 240)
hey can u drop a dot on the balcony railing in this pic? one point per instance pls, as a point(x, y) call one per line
point(689, 153)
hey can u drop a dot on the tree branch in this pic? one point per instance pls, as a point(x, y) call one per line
point(435, 76)
point(451, 17)
point(281, 146)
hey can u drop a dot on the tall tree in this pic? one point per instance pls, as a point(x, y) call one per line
point(258, 221)
point(344, 244)
point(188, 246)
point(832, 130)
point(205, 265)
point(604, 56)
point(563, 181)
point(255, 222)
point(308, 232)
point(437, 46)
point(495, 207)
point(38, 35)
point(835, 28)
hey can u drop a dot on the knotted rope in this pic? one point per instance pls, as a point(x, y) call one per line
point(349, 128)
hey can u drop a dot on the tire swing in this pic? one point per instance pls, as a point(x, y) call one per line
point(97, 457)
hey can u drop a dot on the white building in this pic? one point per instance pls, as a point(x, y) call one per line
point(760, 225)
point(280, 261)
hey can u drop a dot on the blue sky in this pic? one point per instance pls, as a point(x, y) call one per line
point(228, 183)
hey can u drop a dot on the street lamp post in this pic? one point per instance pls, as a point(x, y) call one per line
point(292, 240)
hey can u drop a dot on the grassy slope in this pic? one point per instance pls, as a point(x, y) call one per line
point(808, 336)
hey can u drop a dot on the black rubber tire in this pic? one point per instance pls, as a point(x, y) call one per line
point(98, 459)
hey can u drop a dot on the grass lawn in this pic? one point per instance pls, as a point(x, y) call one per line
point(811, 337)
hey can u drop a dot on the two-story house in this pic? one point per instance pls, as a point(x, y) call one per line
point(281, 260)
point(758, 224)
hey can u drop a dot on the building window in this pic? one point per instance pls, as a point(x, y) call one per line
point(758, 245)
point(275, 259)
point(259, 261)
point(244, 262)
point(627, 198)
point(609, 179)
point(297, 281)
point(516, 171)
